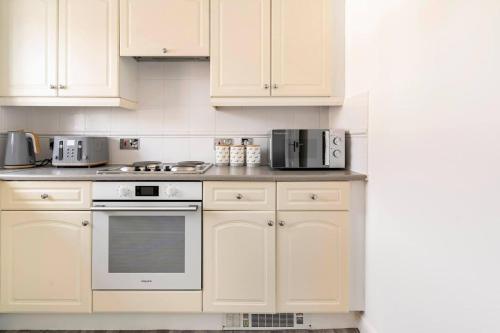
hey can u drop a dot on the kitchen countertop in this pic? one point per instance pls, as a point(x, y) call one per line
point(262, 173)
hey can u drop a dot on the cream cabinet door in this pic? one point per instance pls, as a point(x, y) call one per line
point(313, 257)
point(88, 48)
point(239, 262)
point(28, 48)
point(165, 28)
point(302, 47)
point(45, 262)
point(240, 48)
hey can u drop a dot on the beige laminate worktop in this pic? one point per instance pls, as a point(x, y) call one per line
point(262, 173)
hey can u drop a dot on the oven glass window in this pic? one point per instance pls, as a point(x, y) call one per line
point(147, 244)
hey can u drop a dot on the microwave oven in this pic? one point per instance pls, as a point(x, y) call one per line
point(307, 149)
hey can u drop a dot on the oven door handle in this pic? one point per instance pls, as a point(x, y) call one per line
point(192, 208)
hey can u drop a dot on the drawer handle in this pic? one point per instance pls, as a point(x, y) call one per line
point(314, 197)
point(85, 223)
point(239, 196)
point(164, 50)
point(270, 223)
point(44, 196)
point(282, 223)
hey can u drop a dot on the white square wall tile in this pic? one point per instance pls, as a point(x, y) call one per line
point(97, 120)
point(202, 149)
point(175, 149)
point(177, 92)
point(151, 70)
point(72, 120)
point(15, 118)
point(150, 121)
point(199, 92)
point(46, 120)
point(202, 120)
point(123, 121)
point(150, 149)
point(151, 94)
point(176, 70)
point(176, 120)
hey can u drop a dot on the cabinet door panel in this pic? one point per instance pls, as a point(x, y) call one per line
point(313, 262)
point(240, 56)
point(88, 48)
point(181, 27)
point(28, 47)
point(45, 262)
point(239, 262)
point(302, 47)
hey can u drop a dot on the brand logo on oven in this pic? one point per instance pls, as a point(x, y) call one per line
point(146, 281)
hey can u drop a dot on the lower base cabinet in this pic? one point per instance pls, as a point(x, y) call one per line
point(45, 262)
point(239, 261)
point(313, 262)
point(298, 264)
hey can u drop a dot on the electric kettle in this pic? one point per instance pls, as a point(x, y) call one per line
point(20, 150)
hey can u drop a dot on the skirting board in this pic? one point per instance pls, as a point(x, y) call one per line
point(275, 101)
point(132, 321)
point(69, 101)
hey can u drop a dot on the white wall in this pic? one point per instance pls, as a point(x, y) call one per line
point(174, 119)
point(433, 233)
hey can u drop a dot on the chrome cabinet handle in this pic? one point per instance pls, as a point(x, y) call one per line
point(282, 223)
point(53, 86)
point(270, 223)
point(275, 86)
point(44, 196)
point(314, 197)
point(266, 86)
point(62, 86)
point(164, 50)
point(85, 223)
point(239, 196)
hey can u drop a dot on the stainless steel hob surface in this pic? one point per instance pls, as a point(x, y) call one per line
point(156, 167)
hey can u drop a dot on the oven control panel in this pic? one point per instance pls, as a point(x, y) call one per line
point(147, 191)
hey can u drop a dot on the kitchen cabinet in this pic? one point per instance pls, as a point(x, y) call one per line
point(277, 52)
point(45, 261)
point(239, 196)
point(45, 195)
point(164, 28)
point(28, 47)
point(239, 261)
point(63, 53)
point(241, 48)
point(313, 195)
point(301, 47)
point(312, 262)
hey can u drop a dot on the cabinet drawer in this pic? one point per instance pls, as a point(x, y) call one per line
point(21, 195)
point(239, 195)
point(313, 196)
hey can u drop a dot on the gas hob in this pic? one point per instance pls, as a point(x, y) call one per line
point(157, 168)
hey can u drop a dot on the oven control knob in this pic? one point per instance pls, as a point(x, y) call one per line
point(171, 191)
point(125, 192)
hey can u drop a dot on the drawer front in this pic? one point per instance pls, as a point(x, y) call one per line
point(21, 195)
point(239, 195)
point(314, 196)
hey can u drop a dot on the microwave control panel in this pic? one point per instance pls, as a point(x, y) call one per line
point(337, 149)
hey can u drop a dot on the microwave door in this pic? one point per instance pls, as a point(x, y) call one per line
point(311, 152)
point(292, 149)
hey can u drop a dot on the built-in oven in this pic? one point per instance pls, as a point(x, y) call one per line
point(146, 236)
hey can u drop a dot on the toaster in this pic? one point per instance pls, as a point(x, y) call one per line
point(80, 151)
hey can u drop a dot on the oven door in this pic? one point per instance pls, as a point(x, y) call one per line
point(147, 247)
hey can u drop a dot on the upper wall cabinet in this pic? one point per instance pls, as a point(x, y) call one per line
point(164, 28)
point(277, 52)
point(50, 49)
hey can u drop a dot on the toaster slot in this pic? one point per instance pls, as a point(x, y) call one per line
point(79, 152)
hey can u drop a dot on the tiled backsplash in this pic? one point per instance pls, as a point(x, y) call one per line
point(174, 120)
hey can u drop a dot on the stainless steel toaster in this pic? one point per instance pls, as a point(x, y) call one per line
point(80, 151)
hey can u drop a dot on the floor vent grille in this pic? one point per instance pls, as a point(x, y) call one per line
point(265, 321)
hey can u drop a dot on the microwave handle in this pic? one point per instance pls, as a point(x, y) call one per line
point(326, 148)
point(192, 208)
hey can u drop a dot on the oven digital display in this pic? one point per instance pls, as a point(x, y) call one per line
point(147, 191)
